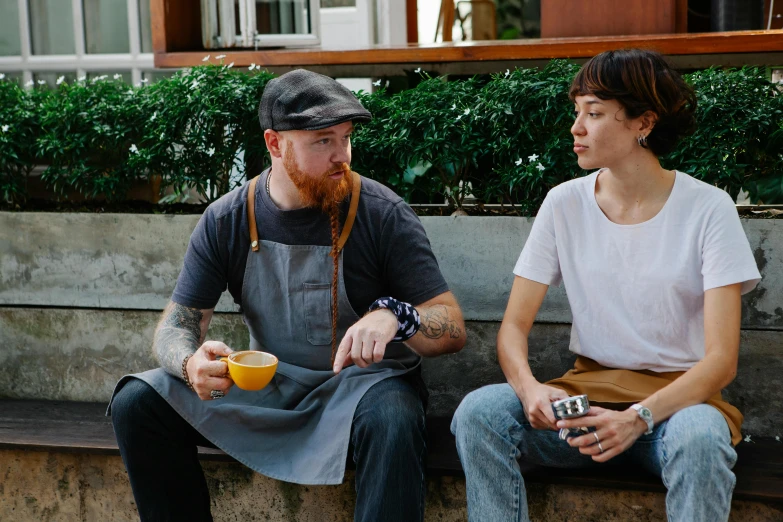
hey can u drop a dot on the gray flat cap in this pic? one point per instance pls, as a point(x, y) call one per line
point(304, 100)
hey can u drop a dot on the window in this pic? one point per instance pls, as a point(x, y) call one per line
point(42, 40)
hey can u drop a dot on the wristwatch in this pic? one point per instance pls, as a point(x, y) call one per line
point(646, 415)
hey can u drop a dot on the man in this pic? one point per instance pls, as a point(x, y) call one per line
point(306, 251)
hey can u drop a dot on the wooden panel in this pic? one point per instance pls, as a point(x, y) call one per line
point(176, 25)
point(416, 55)
point(681, 16)
point(561, 18)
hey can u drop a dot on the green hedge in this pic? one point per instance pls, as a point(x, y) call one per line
point(503, 138)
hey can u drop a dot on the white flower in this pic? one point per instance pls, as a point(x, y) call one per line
point(210, 152)
point(777, 438)
point(117, 76)
point(60, 80)
point(387, 83)
point(194, 85)
point(518, 162)
point(2, 76)
point(205, 58)
point(82, 78)
point(508, 73)
point(229, 66)
point(466, 112)
point(453, 106)
point(458, 117)
point(29, 84)
point(534, 157)
point(133, 149)
point(252, 66)
point(417, 71)
point(5, 128)
point(154, 116)
point(41, 82)
point(162, 135)
point(747, 438)
point(540, 167)
point(220, 57)
point(377, 84)
point(144, 80)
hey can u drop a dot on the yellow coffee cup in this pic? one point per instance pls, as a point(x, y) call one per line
point(251, 370)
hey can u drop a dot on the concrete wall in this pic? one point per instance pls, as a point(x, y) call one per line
point(131, 262)
point(66, 487)
point(80, 295)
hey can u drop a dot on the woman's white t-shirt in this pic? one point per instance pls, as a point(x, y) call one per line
point(637, 291)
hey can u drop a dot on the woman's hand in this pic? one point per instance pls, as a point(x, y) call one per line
point(616, 431)
point(537, 401)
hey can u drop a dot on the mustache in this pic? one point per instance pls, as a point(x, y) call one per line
point(344, 168)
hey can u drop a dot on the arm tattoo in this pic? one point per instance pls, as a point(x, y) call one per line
point(178, 335)
point(435, 323)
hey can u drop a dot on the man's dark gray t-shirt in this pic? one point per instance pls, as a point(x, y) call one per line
point(387, 253)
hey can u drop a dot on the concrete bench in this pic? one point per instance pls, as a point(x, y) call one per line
point(79, 427)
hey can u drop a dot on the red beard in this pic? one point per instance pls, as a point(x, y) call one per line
point(321, 191)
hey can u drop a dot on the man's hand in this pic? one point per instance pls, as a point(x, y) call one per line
point(537, 401)
point(365, 342)
point(615, 430)
point(206, 373)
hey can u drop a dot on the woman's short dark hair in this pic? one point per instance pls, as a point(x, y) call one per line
point(641, 81)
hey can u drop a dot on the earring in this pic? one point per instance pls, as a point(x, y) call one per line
point(642, 139)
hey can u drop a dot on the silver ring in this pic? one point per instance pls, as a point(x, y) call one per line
point(600, 447)
point(217, 394)
point(596, 438)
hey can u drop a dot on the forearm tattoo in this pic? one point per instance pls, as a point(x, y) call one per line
point(435, 323)
point(178, 335)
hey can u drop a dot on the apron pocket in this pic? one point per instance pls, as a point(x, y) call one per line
point(318, 313)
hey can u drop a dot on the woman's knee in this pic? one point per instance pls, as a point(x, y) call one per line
point(700, 434)
point(486, 407)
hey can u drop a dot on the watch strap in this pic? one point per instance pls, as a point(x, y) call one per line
point(645, 414)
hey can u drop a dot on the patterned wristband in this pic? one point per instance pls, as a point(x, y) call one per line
point(408, 320)
point(185, 371)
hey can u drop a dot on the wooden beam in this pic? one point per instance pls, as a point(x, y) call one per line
point(498, 50)
point(158, 27)
point(412, 20)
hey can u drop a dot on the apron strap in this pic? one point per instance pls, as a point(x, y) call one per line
point(251, 214)
point(357, 190)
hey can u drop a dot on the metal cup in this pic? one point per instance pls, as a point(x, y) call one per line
point(571, 408)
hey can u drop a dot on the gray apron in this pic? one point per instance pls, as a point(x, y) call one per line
point(297, 429)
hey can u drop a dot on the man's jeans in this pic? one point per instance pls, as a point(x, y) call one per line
point(691, 452)
point(388, 438)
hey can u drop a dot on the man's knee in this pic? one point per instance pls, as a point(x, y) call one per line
point(131, 403)
point(392, 411)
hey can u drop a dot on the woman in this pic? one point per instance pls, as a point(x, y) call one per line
point(654, 263)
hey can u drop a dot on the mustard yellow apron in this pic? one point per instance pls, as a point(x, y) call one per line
point(617, 389)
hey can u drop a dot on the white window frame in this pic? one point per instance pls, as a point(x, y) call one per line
point(226, 35)
point(81, 62)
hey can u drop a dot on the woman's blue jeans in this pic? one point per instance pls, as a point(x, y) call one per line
point(691, 452)
point(388, 445)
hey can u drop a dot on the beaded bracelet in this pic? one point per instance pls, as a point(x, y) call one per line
point(408, 320)
point(185, 371)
